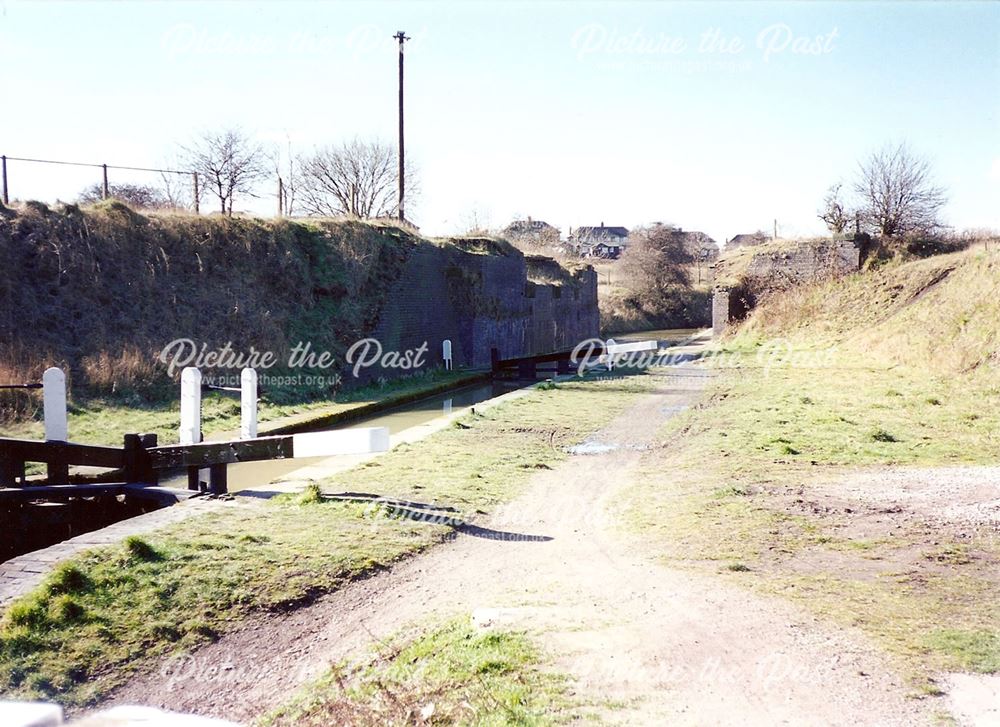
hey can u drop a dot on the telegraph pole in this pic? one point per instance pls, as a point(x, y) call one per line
point(401, 37)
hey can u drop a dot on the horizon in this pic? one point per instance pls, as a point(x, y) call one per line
point(573, 120)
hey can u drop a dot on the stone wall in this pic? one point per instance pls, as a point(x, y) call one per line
point(478, 295)
point(780, 266)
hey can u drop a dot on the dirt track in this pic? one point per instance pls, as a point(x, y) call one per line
point(672, 646)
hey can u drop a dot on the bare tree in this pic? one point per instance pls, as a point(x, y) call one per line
point(179, 189)
point(357, 178)
point(657, 260)
point(834, 213)
point(138, 196)
point(229, 163)
point(287, 171)
point(897, 192)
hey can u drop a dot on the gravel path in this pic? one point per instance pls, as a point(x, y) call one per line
point(665, 646)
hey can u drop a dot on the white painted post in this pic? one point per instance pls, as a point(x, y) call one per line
point(248, 404)
point(447, 406)
point(190, 405)
point(54, 406)
point(446, 353)
point(608, 345)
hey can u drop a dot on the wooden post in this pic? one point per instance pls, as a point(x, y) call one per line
point(197, 195)
point(218, 481)
point(281, 197)
point(54, 405)
point(138, 465)
point(6, 197)
point(105, 190)
point(248, 404)
point(191, 417)
point(190, 406)
point(56, 427)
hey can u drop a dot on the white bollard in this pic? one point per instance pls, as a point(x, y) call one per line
point(54, 406)
point(446, 354)
point(611, 357)
point(190, 405)
point(447, 408)
point(248, 404)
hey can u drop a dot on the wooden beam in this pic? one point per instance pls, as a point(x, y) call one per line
point(314, 444)
point(209, 453)
point(58, 492)
point(28, 450)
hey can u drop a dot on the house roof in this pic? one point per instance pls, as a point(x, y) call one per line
point(601, 232)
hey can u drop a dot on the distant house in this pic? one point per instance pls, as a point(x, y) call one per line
point(536, 232)
point(755, 238)
point(600, 241)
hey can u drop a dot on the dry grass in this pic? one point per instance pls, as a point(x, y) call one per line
point(743, 481)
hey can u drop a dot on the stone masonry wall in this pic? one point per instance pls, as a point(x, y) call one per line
point(777, 269)
point(480, 301)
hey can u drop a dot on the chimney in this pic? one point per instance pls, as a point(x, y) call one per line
point(529, 219)
point(602, 225)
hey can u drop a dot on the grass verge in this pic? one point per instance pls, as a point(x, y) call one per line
point(108, 613)
point(104, 422)
point(747, 486)
point(454, 674)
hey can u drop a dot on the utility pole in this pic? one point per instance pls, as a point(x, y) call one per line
point(402, 38)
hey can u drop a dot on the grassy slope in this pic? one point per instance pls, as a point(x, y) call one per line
point(114, 610)
point(892, 366)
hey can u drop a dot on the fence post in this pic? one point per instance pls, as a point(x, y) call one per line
point(248, 404)
point(105, 168)
point(197, 195)
point(6, 198)
point(446, 354)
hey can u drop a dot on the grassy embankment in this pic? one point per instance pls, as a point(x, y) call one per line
point(106, 614)
point(453, 674)
point(895, 366)
point(101, 291)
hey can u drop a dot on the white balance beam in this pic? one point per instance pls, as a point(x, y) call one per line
point(363, 440)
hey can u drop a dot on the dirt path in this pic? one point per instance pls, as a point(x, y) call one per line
point(670, 646)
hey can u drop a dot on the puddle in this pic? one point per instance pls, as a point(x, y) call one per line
point(602, 448)
point(592, 448)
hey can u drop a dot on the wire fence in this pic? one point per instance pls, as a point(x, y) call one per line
point(105, 186)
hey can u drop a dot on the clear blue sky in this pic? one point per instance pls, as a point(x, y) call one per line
point(574, 113)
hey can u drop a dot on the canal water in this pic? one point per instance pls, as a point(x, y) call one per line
point(398, 419)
